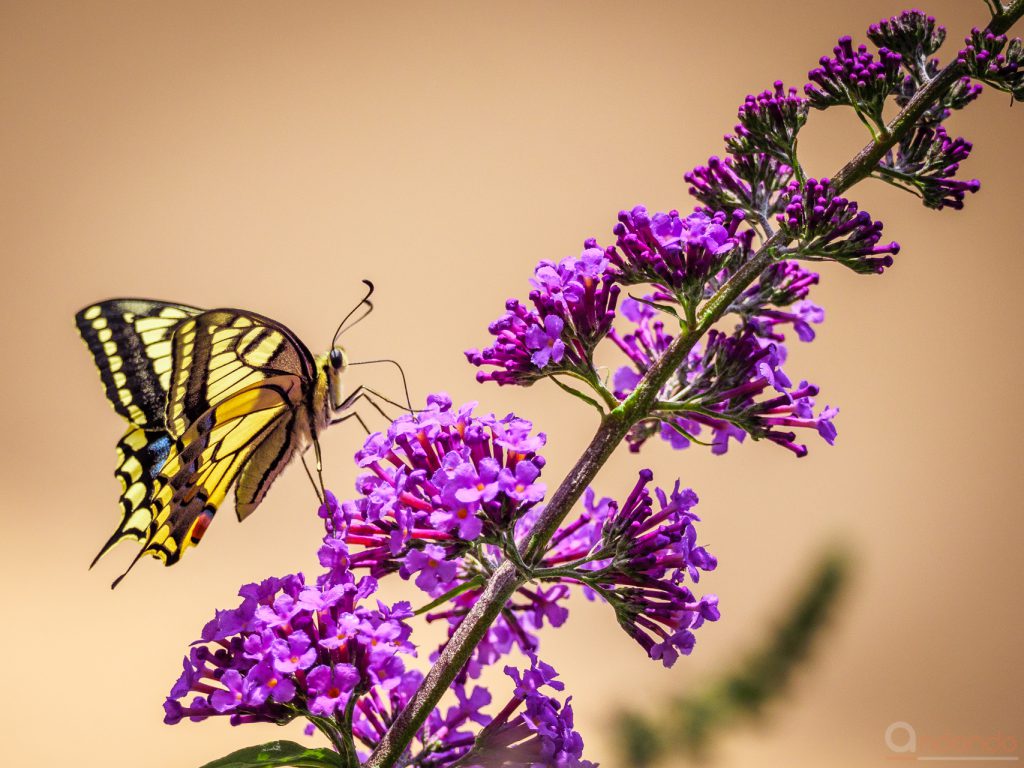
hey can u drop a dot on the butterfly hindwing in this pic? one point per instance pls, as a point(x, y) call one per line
point(205, 461)
point(140, 455)
point(130, 340)
point(266, 464)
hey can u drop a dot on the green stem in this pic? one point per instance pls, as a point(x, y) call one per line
point(615, 424)
point(329, 729)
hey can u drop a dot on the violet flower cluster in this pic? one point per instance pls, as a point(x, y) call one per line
point(453, 502)
point(318, 651)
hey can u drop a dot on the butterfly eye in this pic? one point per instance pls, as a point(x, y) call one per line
point(337, 358)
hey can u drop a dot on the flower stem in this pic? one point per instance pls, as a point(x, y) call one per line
point(615, 425)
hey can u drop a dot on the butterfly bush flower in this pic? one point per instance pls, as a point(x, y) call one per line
point(637, 557)
point(831, 228)
point(734, 387)
point(573, 306)
point(854, 77)
point(769, 123)
point(926, 164)
point(913, 34)
point(534, 728)
point(292, 648)
point(995, 60)
point(453, 502)
point(748, 183)
point(679, 254)
point(779, 299)
point(437, 481)
point(530, 608)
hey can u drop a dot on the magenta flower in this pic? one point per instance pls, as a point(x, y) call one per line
point(995, 60)
point(547, 341)
point(268, 682)
point(734, 387)
point(636, 558)
point(233, 695)
point(293, 654)
point(437, 481)
point(330, 687)
point(854, 77)
point(926, 163)
point(433, 569)
point(265, 664)
point(573, 307)
point(679, 255)
point(748, 182)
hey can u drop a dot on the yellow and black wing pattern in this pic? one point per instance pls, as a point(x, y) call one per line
point(229, 385)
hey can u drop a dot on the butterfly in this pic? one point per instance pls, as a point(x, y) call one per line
point(214, 399)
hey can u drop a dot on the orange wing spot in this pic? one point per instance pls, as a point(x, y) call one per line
point(200, 525)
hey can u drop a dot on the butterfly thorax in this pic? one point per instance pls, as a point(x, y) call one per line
point(328, 396)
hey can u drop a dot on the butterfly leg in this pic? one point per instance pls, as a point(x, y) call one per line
point(401, 372)
point(319, 467)
point(363, 393)
point(355, 416)
point(317, 489)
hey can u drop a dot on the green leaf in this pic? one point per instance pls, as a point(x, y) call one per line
point(278, 753)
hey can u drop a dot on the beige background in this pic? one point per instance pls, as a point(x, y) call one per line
point(269, 156)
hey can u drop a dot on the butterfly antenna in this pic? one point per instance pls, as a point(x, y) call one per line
point(401, 372)
point(369, 308)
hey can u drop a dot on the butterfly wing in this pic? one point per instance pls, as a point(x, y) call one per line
point(267, 462)
point(130, 341)
point(237, 389)
point(206, 460)
point(140, 455)
point(222, 351)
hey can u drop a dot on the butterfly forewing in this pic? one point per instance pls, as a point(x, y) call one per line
point(223, 351)
point(130, 340)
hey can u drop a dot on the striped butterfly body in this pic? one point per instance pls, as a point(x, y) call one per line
point(213, 399)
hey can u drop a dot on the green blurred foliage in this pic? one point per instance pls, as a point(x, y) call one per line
point(686, 726)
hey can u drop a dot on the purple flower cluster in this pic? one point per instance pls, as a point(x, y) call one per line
point(437, 481)
point(683, 256)
point(769, 123)
point(533, 730)
point(735, 387)
point(995, 60)
point(748, 183)
point(573, 307)
point(914, 35)
point(528, 610)
point(832, 228)
point(637, 558)
point(854, 77)
point(926, 163)
point(292, 648)
point(784, 284)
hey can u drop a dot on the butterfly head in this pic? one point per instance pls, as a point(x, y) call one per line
point(337, 363)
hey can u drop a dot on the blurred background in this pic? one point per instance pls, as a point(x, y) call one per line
point(269, 157)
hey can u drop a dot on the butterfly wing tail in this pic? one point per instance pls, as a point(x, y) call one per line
point(140, 456)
